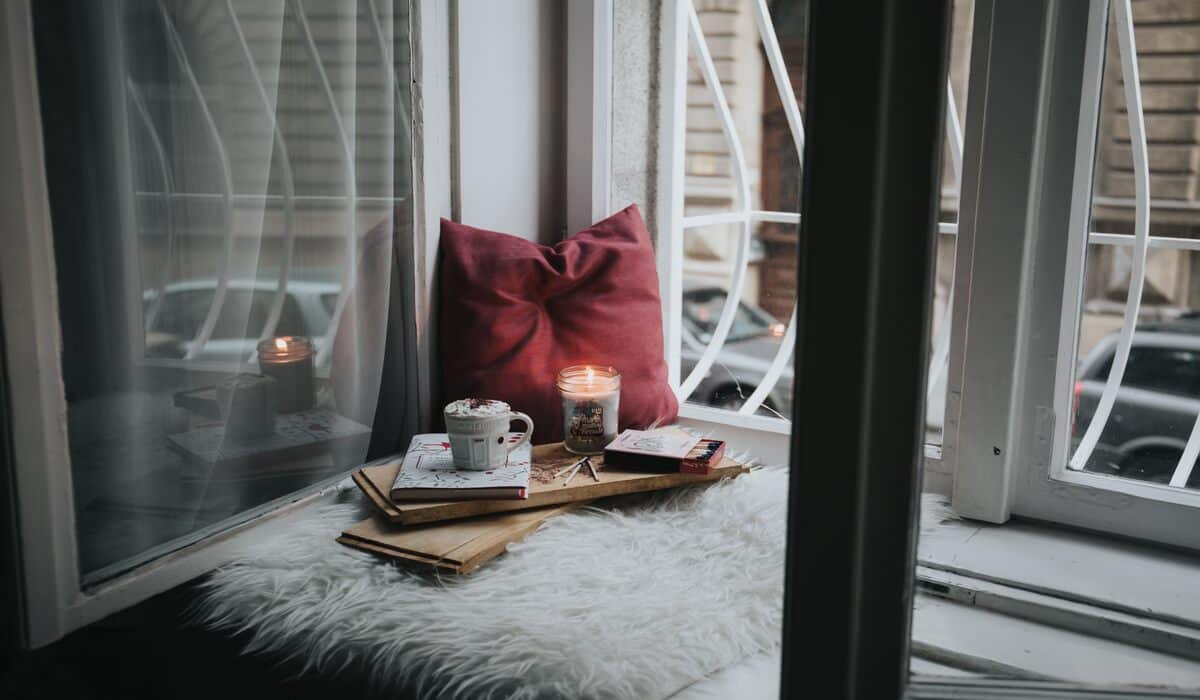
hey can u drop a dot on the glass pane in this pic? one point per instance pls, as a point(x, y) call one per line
point(714, 182)
point(754, 337)
point(220, 176)
point(1156, 403)
point(772, 173)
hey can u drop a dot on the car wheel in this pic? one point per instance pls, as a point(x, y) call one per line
point(728, 398)
point(731, 403)
point(1155, 464)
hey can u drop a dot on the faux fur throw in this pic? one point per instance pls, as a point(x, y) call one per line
point(631, 602)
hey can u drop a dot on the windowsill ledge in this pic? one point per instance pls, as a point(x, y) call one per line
point(1099, 597)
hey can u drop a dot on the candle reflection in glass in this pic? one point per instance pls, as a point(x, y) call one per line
point(289, 360)
point(590, 398)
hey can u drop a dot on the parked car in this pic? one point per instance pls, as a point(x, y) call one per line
point(307, 310)
point(753, 340)
point(1156, 404)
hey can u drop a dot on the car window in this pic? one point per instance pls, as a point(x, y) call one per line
point(182, 312)
point(329, 303)
point(1167, 370)
point(291, 321)
point(243, 315)
point(702, 310)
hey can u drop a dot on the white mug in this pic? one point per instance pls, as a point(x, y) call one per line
point(477, 430)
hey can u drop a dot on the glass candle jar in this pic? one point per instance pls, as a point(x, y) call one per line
point(289, 361)
point(591, 396)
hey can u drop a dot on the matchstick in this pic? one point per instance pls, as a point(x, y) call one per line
point(569, 467)
point(578, 466)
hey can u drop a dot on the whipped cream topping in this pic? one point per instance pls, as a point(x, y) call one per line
point(478, 408)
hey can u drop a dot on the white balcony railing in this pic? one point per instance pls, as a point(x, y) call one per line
point(746, 216)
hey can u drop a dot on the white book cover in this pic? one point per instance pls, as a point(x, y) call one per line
point(428, 464)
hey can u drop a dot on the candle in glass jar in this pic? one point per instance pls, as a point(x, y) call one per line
point(591, 396)
point(289, 361)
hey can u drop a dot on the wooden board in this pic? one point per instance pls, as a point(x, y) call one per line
point(458, 547)
point(376, 482)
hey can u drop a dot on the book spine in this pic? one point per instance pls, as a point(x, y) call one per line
point(650, 463)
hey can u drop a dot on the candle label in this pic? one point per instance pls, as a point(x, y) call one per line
point(587, 421)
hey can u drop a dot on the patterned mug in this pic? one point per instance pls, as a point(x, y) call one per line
point(477, 430)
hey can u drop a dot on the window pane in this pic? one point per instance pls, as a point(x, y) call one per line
point(754, 338)
point(1156, 404)
point(215, 183)
point(768, 174)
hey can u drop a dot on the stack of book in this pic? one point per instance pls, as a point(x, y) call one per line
point(431, 514)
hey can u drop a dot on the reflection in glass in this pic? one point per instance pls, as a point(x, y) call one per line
point(247, 169)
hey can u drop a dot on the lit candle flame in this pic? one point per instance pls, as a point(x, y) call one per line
point(591, 376)
point(281, 344)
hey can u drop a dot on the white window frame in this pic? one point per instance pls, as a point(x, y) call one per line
point(1016, 319)
point(55, 603)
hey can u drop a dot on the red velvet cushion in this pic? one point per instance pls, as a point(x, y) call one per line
point(513, 313)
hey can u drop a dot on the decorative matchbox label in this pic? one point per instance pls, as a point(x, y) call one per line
point(654, 443)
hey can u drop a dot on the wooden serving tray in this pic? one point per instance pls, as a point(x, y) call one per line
point(456, 548)
point(376, 482)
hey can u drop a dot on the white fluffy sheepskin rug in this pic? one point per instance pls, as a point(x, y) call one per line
point(637, 601)
point(632, 602)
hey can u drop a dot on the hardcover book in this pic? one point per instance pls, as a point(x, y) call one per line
point(427, 473)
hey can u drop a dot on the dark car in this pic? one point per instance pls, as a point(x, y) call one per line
point(1156, 404)
point(753, 340)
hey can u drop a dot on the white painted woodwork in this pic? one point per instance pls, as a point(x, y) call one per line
point(510, 141)
point(1085, 567)
point(1173, 638)
point(669, 247)
point(434, 192)
point(1014, 646)
point(49, 568)
point(588, 168)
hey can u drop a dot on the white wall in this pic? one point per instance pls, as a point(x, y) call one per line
point(511, 116)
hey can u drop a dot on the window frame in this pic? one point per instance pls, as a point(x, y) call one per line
point(55, 601)
point(875, 75)
point(1029, 178)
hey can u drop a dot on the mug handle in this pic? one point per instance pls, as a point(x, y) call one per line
point(517, 415)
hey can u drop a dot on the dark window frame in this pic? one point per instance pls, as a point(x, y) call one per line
point(875, 80)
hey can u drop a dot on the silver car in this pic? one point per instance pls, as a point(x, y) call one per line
point(307, 310)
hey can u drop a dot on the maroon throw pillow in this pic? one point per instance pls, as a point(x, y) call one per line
point(514, 313)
